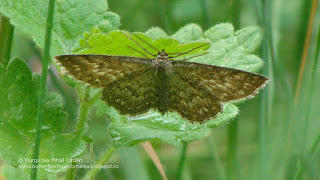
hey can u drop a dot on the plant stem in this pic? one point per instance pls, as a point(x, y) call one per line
point(42, 90)
point(82, 118)
point(71, 172)
point(85, 105)
point(69, 103)
point(101, 161)
point(182, 160)
point(6, 36)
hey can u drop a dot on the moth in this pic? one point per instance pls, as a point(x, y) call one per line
point(134, 85)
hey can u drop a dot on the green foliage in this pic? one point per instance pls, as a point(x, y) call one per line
point(72, 18)
point(18, 90)
point(233, 49)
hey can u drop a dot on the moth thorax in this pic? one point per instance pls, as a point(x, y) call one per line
point(162, 58)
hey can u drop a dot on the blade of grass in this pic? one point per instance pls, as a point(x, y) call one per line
point(133, 164)
point(301, 34)
point(182, 160)
point(153, 155)
point(204, 11)
point(299, 121)
point(234, 13)
point(6, 36)
point(266, 100)
point(313, 76)
point(315, 144)
point(232, 153)
point(276, 67)
point(101, 161)
point(233, 168)
point(163, 9)
point(305, 49)
point(216, 158)
point(308, 111)
point(42, 90)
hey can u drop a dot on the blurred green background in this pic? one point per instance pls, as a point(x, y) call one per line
point(273, 137)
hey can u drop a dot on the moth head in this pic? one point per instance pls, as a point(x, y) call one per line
point(163, 53)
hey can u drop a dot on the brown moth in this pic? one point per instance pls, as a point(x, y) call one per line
point(134, 85)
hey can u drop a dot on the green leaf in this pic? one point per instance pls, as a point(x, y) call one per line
point(156, 33)
point(219, 32)
point(249, 38)
point(18, 107)
point(232, 49)
point(116, 43)
point(72, 18)
point(188, 33)
point(171, 128)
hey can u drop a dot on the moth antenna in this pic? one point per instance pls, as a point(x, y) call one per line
point(137, 51)
point(185, 59)
point(146, 43)
point(137, 44)
point(186, 52)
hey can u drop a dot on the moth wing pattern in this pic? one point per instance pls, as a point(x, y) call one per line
point(134, 95)
point(225, 84)
point(127, 83)
point(191, 102)
point(102, 70)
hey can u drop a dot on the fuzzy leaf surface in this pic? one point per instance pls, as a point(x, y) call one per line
point(18, 107)
point(71, 19)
